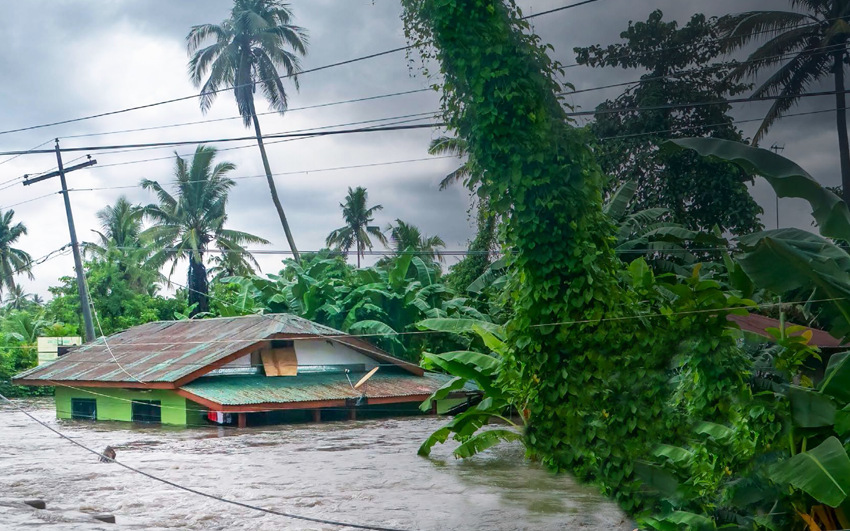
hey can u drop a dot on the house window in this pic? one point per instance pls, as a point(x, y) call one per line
point(147, 411)
point(84, 409)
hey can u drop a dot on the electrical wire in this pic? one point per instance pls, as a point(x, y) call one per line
point(278, 174)
point(304, 130)
point(231, 139)
point(198, 122)
point(813, 51)
point(595, 112)
point(719, 39)
point(193, 96)
point(343, 336)
point(195, 491)
point(62, 251)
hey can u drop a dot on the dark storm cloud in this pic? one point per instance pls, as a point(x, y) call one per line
point(64, 58)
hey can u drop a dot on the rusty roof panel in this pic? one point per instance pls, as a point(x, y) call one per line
point(248, 390)
point(166, 351)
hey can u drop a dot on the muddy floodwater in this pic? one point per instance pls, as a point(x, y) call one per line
point(366, 472)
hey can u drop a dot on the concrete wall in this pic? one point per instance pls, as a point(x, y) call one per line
point(324, 352)
point(116, 405)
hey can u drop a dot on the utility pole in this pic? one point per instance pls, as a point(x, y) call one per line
point(776, 148)
point(78, 262)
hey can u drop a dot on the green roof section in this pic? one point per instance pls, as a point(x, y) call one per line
point(250, 390)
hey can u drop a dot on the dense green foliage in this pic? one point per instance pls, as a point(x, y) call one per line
point(681, 67)
point(634, 382)
point(383, 303)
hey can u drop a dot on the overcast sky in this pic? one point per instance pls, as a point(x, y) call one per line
point(63, 59)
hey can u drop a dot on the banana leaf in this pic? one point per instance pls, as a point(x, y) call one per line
point(823, 472)
point(447, 388)
point(786, 177)
point(836, 382)
point(617, 205)
point(793, 260)
point(456, 325)
point(484, 440)
point(811, 409)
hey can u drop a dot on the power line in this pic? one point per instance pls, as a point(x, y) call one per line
point(193, 96)
point(710, 126)
point(278, 174)
point(356, 100)
point(421, 115)
point(719, 39)
point(29, 200)
point(814, 51)
point(195, 491)
point(725, 101)
point(38, 261)
point(230, 139)
point(595, 112)
point(318, 170)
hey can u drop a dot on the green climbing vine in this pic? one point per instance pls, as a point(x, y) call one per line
point(608, 384)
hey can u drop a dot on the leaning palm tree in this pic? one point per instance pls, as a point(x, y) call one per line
point(186, 224)
point(803, 48)
point(407, 236)
point(357, 230)
point(12, 261)
point(248, 49)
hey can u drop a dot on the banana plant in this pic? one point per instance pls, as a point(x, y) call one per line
point(648, 233)
point(491, 374)
point(793, 263)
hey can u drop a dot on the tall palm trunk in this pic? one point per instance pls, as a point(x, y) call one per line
point(198, 285)
point(357, 248)
point(841, 121)
point(272, 187)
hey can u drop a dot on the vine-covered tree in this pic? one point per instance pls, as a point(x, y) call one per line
point(12, 261)
point(681, 67)
point(250, 46)
point(357, 229)
point(185, 224)
point(802, 49)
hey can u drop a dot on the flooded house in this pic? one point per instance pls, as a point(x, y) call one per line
point(241, 371)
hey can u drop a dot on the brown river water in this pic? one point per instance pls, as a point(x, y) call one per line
point(366, 472)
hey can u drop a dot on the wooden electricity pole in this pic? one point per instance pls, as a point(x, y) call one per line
point(78, 262)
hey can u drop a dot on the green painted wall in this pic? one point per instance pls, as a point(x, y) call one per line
point(115, 405)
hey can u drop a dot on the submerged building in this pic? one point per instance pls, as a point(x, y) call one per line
point(236, 370)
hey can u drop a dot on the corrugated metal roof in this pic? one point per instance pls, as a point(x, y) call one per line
point(757, 324)
point(166, 351)
point(248, 390)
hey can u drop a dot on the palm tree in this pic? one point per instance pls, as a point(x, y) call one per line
point(121, 225)
point(16, 298)
point(407, 236)
point(357, 230)
point(12, 261)
point(807, 47)
point(119, 241)
point(249, 48)
point(186, 224)
point(446, 145)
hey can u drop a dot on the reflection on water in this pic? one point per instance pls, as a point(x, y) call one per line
point(363, 472)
